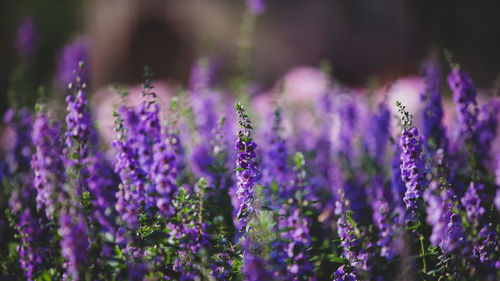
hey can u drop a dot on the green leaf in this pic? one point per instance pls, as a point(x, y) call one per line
point(338, 260)
point(299, 159)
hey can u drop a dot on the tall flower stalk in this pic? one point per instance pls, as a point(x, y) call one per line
point(74, 221)
point(413, 174)
point(246, 169)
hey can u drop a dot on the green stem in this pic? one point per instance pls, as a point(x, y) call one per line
point(423, 253)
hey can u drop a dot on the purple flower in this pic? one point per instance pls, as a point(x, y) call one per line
point(278, 260)
point(254, 268)
point(101, 188)
point(432, 128)
point(47, 163)
point(246, 169)
point(472, 202)
point(348, 233)
point(192, 237)
point(203, 101)
point(148, 133)
point(68, 62)
point(379, 133)
point(221, 266)
point(438, 213)
point(79, 130)
point(464, 96)
point(75, 243)
point(382, 205)
point(348, 115)
point(189, 232)
point(132, 178)
point(298, 235)
point(32, 227)
point(19, 126)
point(257, 7)
point(412, 170)
point(345, 273)
point(33, 250)
point(398, 187)
point(487, 128)
point(485, 248)
point(453, 238)
point(202, 75)
point(275, 167)
point(201, 161)
point(163, 174)
point(26, 38)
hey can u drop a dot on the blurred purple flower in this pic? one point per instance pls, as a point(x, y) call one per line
point(254, 268)
point(75, 242)
point(487, 128)
point(453, 237)
point(345, 273)
point(257, 7)
point(486, 248)
point(379, 132)
point(464, 96)
point(26, 38)
point(18, 152)
point(432, 128)
point(472, 202)
point(47, 163)
point(383, 218)
point(68, 61)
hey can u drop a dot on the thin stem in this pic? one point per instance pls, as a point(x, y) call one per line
point(422, 248)
point(202, 194)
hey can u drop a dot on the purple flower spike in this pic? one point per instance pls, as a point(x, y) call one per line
point(246, 169)
point(472, 202)
point(412, 169)
point(164, 172)
point(413, 172)
point(379, 134)
point(453, 237)
point(464, 96)
point(48, 165)
point(382, 206)
point(432, 130)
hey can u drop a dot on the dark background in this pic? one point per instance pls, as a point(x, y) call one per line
point(361, 38)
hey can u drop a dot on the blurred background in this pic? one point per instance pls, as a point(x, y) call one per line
point(362, 40)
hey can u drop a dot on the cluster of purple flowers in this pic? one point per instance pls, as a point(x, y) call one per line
point(426, 209)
